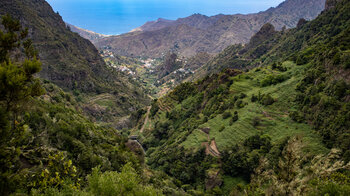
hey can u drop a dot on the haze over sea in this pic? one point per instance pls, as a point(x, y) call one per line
point(113, 17)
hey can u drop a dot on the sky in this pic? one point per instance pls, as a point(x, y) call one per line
point(112, 17)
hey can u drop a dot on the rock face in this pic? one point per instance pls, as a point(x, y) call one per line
point(199, 33)
point(331, 4)
point(266, 31)
point(68, 60)
point(169, 65)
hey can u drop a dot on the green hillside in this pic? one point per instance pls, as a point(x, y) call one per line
point(268, 118)
point(49, 146)
point(273, 119)
point(299, 89)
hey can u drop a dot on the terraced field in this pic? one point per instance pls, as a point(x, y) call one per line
point(273, 120)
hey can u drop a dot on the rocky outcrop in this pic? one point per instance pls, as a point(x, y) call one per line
point(301, 22)
point(331, 4)
point(266, 31)
point(169, 65)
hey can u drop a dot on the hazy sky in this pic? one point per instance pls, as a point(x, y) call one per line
point(120, 16)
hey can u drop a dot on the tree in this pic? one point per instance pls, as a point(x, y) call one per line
point(285, 179)
point(127, 182)
point(18, 64)
point(323, 175)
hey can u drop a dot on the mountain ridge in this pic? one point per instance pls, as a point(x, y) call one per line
point(87, 34)
point(210, 34)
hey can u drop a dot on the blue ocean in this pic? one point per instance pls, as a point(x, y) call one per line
point(113, 17)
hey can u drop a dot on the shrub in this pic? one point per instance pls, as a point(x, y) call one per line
point(240, 104)
point(222, 128)
point(154, 108)
point(335, 184)
point(226, 115)
point(136, 116)
point(234, 118)
point(273, 79)
point(259, 142)
point(256, 121)
point(278, 67)
point(58, 170)
point(305, 56)
point(235, 98)
point(267, 100)
point(205, 119)
point(126, 182)
point(182, 91)
point(254, 98)
point(301, 60)
point(296, 117)
point(242, 95)
point(346, 60)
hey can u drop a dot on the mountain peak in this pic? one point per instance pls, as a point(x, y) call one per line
point(162, 20)
point(266, 31)
point(199, 15)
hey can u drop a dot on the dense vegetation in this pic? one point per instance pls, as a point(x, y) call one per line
point(278, 126)
point(47, 144)
point(283, 116)
point(321, 44)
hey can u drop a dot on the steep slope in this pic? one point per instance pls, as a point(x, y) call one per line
point(299, 87)
point(151, 42)
point(48, 146)
point(89, 35)
point(269, 46)
point(199, 33)
point(74, 64)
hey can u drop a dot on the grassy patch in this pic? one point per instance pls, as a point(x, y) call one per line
point(195, 139)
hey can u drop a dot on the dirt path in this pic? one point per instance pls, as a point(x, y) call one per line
point(210, 146)
point(210, 149)
point(146, 119)
point(213, 148)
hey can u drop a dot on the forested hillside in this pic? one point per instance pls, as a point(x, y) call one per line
point(287, 105)
point(271, 117)
point(74, 64)
point(48, 146)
